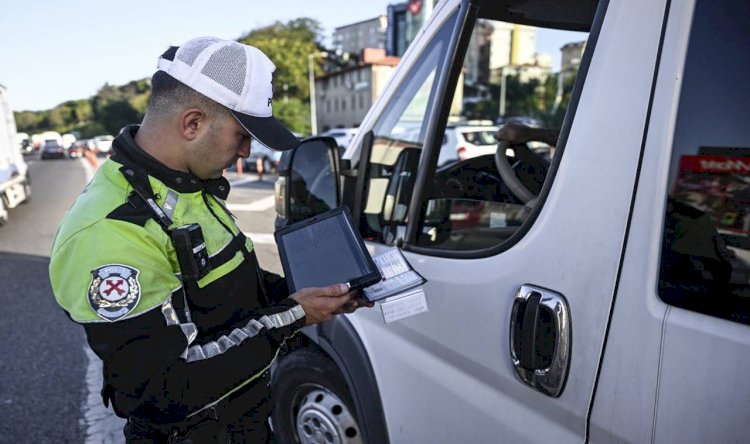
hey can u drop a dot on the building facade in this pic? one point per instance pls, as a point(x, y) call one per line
point(570, 56)
point(344, 97)
point(365, 34)
point(498, 48)
point(404, 21)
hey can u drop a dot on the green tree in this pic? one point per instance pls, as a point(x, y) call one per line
point(116, 114)
point(288, 46)
point(140, 103)
point(294, 114)
point(26, 121)
point(91, 129)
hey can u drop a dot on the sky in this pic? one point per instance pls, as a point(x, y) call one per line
point(53, 51)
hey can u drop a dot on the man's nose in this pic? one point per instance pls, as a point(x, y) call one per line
point(245, 150)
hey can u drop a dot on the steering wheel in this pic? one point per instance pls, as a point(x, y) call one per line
point(509, 173)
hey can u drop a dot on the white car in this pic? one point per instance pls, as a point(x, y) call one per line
point(465, 142)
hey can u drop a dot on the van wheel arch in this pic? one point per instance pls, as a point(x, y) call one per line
point(339, 346)
point(310, 397)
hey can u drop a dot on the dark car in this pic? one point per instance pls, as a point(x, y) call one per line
point(52, 149)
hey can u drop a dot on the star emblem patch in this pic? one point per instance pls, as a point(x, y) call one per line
point(114, 291)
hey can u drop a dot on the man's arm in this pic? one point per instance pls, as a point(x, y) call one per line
point(153, 377)
point(155, 361)
point(275, 286)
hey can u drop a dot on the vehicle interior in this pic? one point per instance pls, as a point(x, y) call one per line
point(480, 202)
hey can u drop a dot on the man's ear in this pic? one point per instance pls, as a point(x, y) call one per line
point(192, 122)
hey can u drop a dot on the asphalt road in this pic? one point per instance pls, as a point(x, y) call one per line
point(43, 363)
point(49, 382)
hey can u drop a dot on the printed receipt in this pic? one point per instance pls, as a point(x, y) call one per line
point(409, 304)
point(398, 276)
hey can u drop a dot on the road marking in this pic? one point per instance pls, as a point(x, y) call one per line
point(261, 238)
point(101, 423)
point(264, 204)
point(87, 168)
point(241, 181)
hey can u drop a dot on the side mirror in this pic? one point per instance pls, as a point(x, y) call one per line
point(308, 182)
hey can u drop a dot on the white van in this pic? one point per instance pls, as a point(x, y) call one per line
point(600, 297)
point(103, 143)
point(15, 183)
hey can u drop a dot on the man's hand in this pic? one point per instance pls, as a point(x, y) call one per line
point(356, 301)
point(514, 133)
point(321, 303)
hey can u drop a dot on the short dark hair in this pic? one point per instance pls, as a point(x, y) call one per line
point(169, 95)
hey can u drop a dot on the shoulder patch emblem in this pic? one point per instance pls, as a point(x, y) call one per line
point(114, 291)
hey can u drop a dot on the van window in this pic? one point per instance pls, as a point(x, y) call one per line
point(398, 136)
point(705, 255)
point(469, 206)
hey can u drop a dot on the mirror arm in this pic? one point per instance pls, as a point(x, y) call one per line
point(360, 191)
point(348, 181)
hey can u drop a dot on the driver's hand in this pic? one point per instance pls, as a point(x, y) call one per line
point(517, 134)
point(514, 133)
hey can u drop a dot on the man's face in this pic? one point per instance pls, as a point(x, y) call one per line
point(220, 146)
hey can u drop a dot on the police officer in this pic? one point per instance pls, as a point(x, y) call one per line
point(153, 266)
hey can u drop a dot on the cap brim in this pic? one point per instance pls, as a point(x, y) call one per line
point(268, 131)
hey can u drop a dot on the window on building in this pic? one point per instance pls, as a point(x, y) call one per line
point(328, 105)
point(336, 105)
point(361, 101)
point(705, 256)
point(343, 104)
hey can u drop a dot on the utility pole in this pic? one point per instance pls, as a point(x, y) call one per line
point(311, 77)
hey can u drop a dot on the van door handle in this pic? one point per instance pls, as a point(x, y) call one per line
point(540, 339)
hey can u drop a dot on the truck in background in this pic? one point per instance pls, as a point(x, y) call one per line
point(15, 182)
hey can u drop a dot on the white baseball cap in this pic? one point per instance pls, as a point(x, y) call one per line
point(236, 76)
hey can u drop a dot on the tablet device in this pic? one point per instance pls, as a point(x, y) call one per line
point(325, 250)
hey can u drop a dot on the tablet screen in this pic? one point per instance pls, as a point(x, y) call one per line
point(323, 252)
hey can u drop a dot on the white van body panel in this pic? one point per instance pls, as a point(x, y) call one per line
point(641, 370)
point(628, 384)
point(460, 382)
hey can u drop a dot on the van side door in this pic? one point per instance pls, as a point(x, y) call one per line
point(680, 334)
